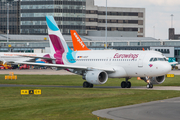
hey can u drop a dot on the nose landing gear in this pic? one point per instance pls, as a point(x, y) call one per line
point(149, 85)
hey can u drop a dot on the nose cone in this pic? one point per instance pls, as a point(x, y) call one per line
point(166, 68)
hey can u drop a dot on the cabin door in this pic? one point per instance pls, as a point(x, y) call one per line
point(140, 60)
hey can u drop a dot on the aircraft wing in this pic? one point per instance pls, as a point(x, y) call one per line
point(66, 66)
point(37, 57)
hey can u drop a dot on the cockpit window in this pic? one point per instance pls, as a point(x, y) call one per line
point(160, 59)
point(157, 59)
point(151, 59)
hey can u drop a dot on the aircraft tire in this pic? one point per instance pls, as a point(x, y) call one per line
point(128, 84)
point(149, 85)
point(123, 84)
point(86, 85)
point(91, 85)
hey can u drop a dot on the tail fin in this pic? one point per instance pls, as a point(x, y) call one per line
point(57, 42)
point(77, 41)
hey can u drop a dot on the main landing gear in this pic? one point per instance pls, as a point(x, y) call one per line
point(87, 85)
point(126, 84)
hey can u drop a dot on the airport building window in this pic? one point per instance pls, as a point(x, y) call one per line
point(114, 13)
point(165, 51)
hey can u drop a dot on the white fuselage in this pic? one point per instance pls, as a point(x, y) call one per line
point(125, 63)
point(12, 56)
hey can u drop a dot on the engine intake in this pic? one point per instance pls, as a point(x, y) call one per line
point(157, 80)
point(96, 77)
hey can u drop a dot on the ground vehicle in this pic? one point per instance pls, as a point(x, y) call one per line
point(24, 66)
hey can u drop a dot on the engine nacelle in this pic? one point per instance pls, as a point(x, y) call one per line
point(96, 77)
point(157, 80)
point(154, 80)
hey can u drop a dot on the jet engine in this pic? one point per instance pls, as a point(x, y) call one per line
point(157, 80)
point(96, 77)
point(154, 80)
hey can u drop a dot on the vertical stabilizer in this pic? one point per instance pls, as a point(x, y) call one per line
point(57, 43)
point(77, 42)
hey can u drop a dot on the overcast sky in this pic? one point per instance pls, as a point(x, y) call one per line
point(158, 14)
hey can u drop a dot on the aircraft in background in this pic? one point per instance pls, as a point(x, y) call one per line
point(11, 57)
point(96, 66)
point(173, 62)
point(78, 44)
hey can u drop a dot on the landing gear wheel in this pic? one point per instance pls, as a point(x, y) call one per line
point(128, 84)
point(91, 85)
point(149, 85)
point(123, 84)
point(86, 85)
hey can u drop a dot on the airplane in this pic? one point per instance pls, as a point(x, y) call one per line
point(78, 44)
point(10, 57)
point(96, 66)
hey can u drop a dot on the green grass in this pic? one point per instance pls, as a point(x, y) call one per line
point(76, 80)
point(71, 103)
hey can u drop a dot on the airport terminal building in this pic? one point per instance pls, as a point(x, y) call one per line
point(28, 17)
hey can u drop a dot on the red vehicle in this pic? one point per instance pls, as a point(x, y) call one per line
point(24, 67)
point(5, 67)
point(1, 67)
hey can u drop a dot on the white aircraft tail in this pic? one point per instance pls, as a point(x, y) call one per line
point(57, 42)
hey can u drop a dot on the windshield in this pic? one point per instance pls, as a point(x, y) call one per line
point(157, 59)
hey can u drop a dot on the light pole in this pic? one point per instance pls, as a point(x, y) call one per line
point(7, 21)
point(106, 24)
point(172, 20)
point(154, 30)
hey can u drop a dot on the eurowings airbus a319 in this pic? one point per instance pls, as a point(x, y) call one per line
point(96, 66)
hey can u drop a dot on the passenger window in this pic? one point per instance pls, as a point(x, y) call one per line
point(155, 59)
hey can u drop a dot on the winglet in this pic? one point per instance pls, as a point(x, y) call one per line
point(77, 42)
